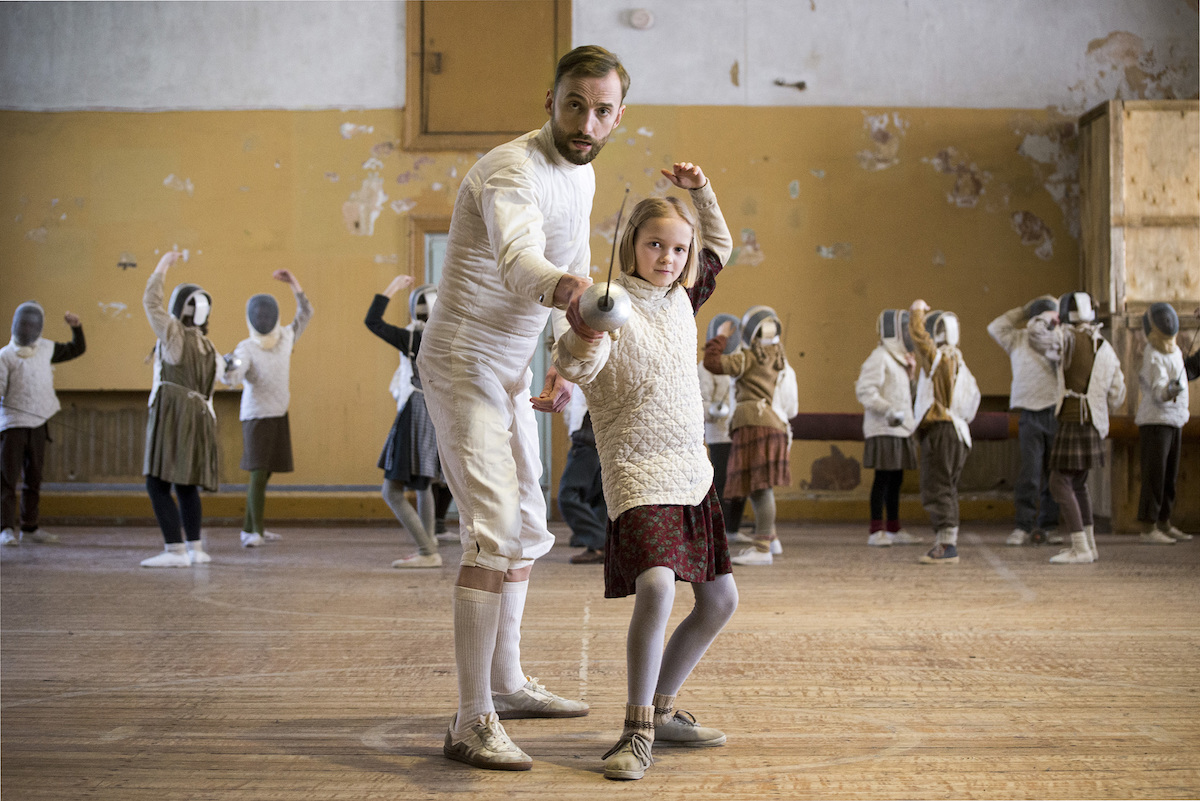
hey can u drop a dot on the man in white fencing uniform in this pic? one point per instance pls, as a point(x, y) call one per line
point(518, 246)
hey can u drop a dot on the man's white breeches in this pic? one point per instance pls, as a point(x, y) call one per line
point(477, 393)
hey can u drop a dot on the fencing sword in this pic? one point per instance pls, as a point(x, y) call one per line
point(606, 307)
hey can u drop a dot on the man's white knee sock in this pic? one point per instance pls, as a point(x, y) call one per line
point(476, 618)
point(507, 674)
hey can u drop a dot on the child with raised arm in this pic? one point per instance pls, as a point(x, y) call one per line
point(263, 363)
point(409, 458)
point(665, 521)
point(181, 431)
point(27, 402)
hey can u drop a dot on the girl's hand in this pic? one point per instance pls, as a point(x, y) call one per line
point(725, 328)
point(168, 258)
point(286, 277)
point(398, 283)
point(686, 175)
point(72, 319)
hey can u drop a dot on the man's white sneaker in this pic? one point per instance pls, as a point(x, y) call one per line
point(251, 539)
point(1176, 534)
point(682, 729)
point(753, 556)
point(271, 536)
point(448, 536)
point(44, 537)
point(1019, 536)
point(10, 537)
point(739, 538)
point(485, 745)
point(776, 548)
point(1156, 537)
point(418, 560)
point(879, 539)
point(902, 537)
point(173, 556)
point(535, 701)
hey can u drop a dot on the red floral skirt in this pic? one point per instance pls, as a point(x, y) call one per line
point(688, 539)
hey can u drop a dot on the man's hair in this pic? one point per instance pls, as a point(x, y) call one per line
point(591, 61)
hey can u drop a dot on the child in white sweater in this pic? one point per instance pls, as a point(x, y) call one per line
point(665, 521)
point(263, 363)
point(1161, 415)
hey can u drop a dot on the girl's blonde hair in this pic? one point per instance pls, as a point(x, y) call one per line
point(652, 209)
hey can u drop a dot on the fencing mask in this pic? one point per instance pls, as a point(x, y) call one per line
point(731, 342)
point(262, 313)
point(420, 303)
point(1076, 307)
point(190, 299)
point(943, 327)
point(27, 323)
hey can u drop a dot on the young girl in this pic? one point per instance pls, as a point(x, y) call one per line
point(946, 403)
point(758, 458)
point(664, 516)
point(410, 457)
point(181, 433)
point(1161, 415)
point(263, 363)
point(885, 391)
point(1093, 383)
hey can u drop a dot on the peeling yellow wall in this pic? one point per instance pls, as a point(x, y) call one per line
point(837, 213)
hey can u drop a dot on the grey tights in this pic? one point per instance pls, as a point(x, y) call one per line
point(653, 669)
point(419, 521)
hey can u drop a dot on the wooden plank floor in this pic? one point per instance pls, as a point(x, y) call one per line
point(309, 669)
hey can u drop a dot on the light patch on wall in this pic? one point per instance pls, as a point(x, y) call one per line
point(1125, 68)
point(387, 258)
point(350, 130)
point(817, 173)
point(372, 164)
point(1052, 149)
point(749, 253)
point(332, 177)
point(403, 205)
point(172, 181)
point(970, 182)
point(838, 250)
point(645, 132)
point(794, 190)
point(939, 258)
point(1034, 232)
point(884, 132)
point(837, 471)
point(364, 206)
point(113, 310)
point(38, 234)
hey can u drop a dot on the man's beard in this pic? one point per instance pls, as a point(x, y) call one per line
point(563, 140)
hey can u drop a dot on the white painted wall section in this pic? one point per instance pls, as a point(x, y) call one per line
point(1063, 54)
point(201, 55)
point(1066, 54)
